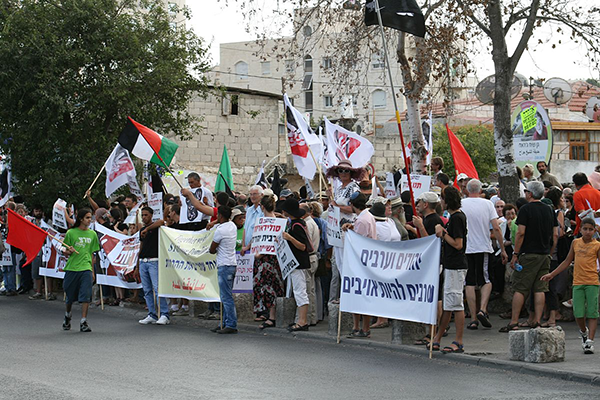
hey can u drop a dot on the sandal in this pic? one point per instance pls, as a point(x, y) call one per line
point(269, 323)
point(260, 318)
point(434, 347)
point(526, 324)
point(473, 325)
point(421, 342)
point(449, 349)
point(446, 331)
point(484, 318)
point(379, 326)
point(297, 328)
point(548, 325)
point(509, 327)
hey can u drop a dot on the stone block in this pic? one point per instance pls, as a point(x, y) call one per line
point(347, 322)
point(406, 332)
point(244, 306)
point(285, 311)
point(540, 345)
point(197, 307)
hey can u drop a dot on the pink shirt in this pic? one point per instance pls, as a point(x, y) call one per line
point(365, 225)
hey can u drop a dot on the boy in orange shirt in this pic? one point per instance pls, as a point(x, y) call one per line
point(585, 251)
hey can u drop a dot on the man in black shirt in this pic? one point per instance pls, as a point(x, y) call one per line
point(148, 269)
point(426, 204)
point(536, 239)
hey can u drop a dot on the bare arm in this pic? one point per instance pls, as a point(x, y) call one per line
point(93, 204)
point(213, 248)
point(441, 232)
point(499, 239)
point(198, 205)
point(563, 265)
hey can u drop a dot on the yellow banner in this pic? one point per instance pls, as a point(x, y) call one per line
point(185, 267)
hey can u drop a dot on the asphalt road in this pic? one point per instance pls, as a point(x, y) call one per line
point(121, 359)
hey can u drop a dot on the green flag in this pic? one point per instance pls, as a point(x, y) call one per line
point(225, 177)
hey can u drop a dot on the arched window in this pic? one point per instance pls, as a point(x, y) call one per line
point(379, 98)
point(307, 30)
point(241, 70)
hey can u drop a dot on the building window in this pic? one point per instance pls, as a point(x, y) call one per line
point(327, 62)
point(308, 101)
point(328, 101)
point(378, 61)
point(290, 66)
point(241, 70)
point(379, 98)
point(308, 65)
point(230, 104)
point(265, 67)
point(307, 30)
point(235, 101)
point(281, 129)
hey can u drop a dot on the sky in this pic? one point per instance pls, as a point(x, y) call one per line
point(219, 23)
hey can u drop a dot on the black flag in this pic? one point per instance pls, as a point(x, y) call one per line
point(404, 15)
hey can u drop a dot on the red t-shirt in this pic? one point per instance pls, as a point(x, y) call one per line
point(585, 198)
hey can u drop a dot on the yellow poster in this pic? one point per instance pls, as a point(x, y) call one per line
point(185, 267)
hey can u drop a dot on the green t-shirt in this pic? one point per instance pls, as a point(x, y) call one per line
point(238, 240)
point(85, 242)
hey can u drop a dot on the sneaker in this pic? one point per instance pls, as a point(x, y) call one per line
point(173, 309)
point(148, 320)
point(51, 296)
point(204, 315)
point(11, 293)
point(67, 323)
point(3, 292)
point(216, 329)
point(84, 327)
point(584, 335)
point(227, 330)
point(181, 313)
point(588, 347)
point(163, 320)
point(36, 296)
point(213, 316)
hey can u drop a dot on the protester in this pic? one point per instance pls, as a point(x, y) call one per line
point(348, 177)
point(535, 241)
point(586, 253)
point(546, 176)
point(223, 246)
point(528, 173)
point(268, 283)
point(147, 269)
point(297, 236)
point(585, 198)
point(190, 208)
point(253, 213)
point(454, 237)
point(81, 244)
point(314, 236)
point(480, 215)
point(437, 164)
point(429, 219)
point(36, 264)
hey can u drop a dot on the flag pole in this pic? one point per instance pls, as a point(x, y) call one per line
point(387, 63)
point(45, 232)
point(225, 182)
point(95, 179)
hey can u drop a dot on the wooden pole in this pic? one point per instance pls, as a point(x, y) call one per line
point(339, 323)
point(95, 179)
point(431, 341)
point(46, 287)
point(60, 241)
point(101, 298)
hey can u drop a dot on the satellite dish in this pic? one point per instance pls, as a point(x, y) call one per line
point(487, 88)
point(558, 91)
point(589, 107)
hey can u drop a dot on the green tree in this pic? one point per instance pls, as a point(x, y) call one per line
point(73, 70)
point(478, 140)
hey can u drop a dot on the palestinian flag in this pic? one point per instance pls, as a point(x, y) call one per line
point(146, 144)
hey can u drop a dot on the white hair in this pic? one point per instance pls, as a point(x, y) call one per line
point(257, 187)
point(474, 186)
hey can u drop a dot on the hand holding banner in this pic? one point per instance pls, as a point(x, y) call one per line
point(265, 232)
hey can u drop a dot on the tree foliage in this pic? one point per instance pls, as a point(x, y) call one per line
point(478, 141)
point(73, 70)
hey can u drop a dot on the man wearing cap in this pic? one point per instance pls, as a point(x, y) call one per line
point(238, 217)
point(462, 179)
point(223, 246)
point(480, 215)
point(426, 204)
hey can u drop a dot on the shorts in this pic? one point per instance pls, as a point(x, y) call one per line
point(299, 278)
point(528, 279)
point(35, 267)
point(454, 282)
point(585, 301)
point(78, 286)
point(477, 271)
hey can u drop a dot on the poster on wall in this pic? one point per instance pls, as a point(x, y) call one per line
point(532, 133)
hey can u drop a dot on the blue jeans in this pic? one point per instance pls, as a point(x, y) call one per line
point(226, 277)
point(149, 276)
point(10, 278)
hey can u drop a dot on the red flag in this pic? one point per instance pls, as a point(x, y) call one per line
point(462, 161)
point(25, 235)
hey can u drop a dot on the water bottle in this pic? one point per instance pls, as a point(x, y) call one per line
point(518, 267)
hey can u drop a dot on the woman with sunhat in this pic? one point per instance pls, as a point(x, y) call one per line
point(348, 178)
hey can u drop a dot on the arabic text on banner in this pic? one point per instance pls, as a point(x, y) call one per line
point(185, 267)
point(334, 233)
point(244, 273)
point(265, 231)
point(396, 280)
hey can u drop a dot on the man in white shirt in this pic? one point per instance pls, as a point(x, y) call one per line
point(190, 209)
point(223, 246)
point(480, 215)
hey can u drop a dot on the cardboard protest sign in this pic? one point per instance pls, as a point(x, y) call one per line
point(265, 231)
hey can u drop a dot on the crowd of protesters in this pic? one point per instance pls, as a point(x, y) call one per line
point(489, 247)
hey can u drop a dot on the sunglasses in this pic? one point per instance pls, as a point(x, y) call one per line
point(343, 171)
